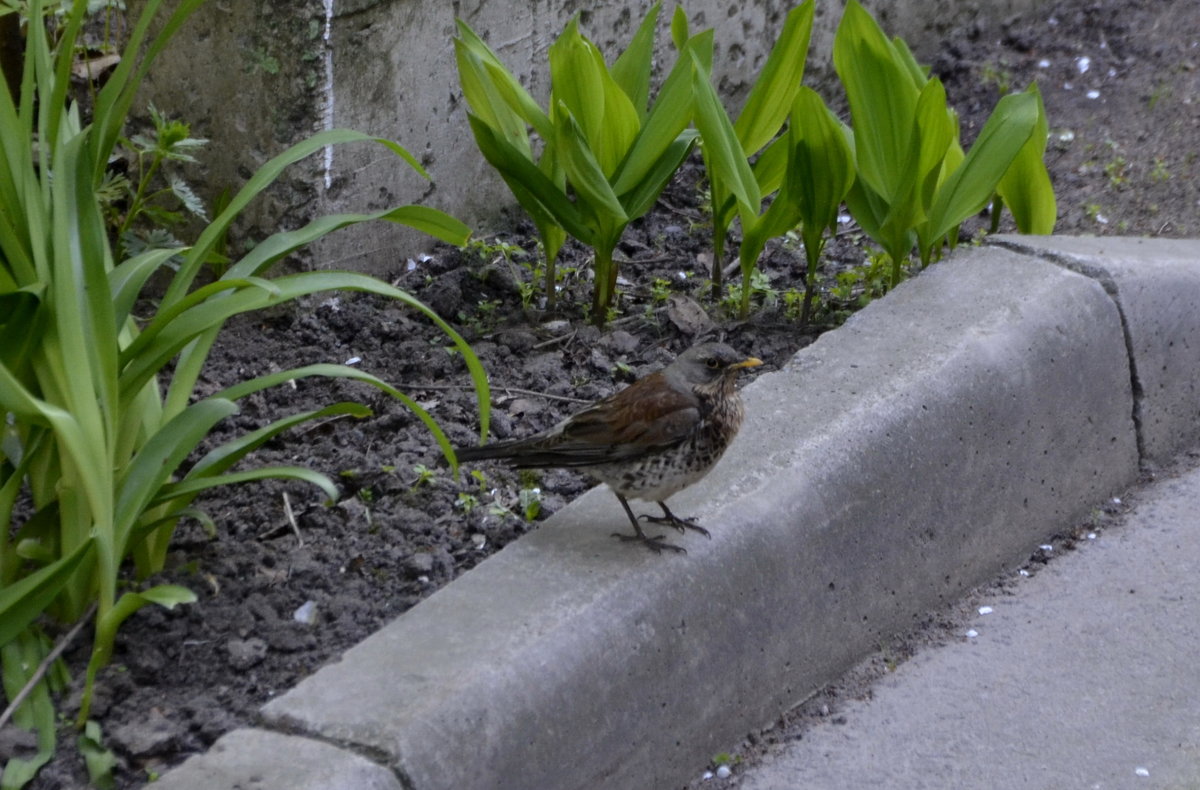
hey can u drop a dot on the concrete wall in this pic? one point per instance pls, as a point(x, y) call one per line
point(255, 77)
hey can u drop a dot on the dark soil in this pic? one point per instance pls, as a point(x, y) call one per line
point(278, 600)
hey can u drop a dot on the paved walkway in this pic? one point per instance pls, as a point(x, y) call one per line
point(1088, 677)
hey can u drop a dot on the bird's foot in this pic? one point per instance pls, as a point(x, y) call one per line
point(653, 542)
point(682, 524)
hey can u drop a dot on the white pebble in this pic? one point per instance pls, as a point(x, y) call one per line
point(1102, 219)
point(1083, 64)
point(1141, 771)
point(306, 613)
point(706, 775)
point(1066, 136)
point(986, 610)
point(972, 634)
point(1046, 547)
point(1093, 94)
point(723, 772)
point(1023, 572)
point(1091, 536)
point(1116, 500)
point(1043, 63)
point(353, 360)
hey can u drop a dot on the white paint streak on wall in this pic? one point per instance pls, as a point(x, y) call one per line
point(328, 111)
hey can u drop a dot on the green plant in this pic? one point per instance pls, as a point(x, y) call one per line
point(820, 173)
point(607, 152)
point(914, 183)
point(425, 475)
point(736, 187)
point(1159, 172)
point(99, 408)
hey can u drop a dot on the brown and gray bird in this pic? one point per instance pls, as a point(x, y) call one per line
point(650, 440)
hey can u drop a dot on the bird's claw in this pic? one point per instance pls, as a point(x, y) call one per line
point(653, 542)
point(681, 524)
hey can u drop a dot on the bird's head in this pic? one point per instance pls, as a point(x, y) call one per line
point(708, 363)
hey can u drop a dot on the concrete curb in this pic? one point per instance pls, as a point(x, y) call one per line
point(935, 439)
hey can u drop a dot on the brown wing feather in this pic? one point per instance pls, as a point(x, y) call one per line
point(648, 413)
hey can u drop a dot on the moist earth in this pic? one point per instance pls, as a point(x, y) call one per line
point(289, 581)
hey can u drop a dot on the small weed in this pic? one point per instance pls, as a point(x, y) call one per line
point(660, 290)
point(1116, 170)
point(530, 500)
point(466, 502)
point(425, 475)
point(998, 76)
point(1159, 173)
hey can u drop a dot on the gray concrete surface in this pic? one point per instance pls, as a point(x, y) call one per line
point(1083, 676)
point(252, 759)
point(1156, 285)
point(933, 441)
point(257, 77)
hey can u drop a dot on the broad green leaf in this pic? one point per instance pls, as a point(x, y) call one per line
point(726, 158)
point(971, 186)
point(485, 98)
point(883, 101)
point(1026, 187)
point(100, 761)
point(534, 183)
point(679, 28)
point(631, 70)
point(584, 173)
point(770, 98)
point(642, 198)
point(936, 130)
point(581, 84)
point(670, 115)
point(821, 164)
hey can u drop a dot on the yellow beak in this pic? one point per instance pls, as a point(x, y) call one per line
point(751, 362)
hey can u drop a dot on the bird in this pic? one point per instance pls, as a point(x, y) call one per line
point(652, 439)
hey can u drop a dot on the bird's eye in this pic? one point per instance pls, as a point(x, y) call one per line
point(712, 363)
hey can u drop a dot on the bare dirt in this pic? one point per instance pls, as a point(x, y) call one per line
point(1121, 86)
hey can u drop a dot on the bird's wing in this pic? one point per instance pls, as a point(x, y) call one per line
point(643, 417)
point(646, 416)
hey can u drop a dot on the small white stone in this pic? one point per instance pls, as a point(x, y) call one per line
point(723, 772)
point(306, 613)
point(985, 610)
point(1103, 220)
point(1116, 500)
point(353, 360)
point(1083, 64)
point(1066, 136)
point(1091, 536)
point(410, 265)
point(706, 775)
point(1043, 63)
point(1140, 771)
point(1046, 547)
point(1093, 94)
point(971, 634)
point(1023, 572)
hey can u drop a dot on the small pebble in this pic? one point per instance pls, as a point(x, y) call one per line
point(723, 772)
point(985, 610)
point(1091, 536)
point(353, 360)
point(1023, 572)
point(1043, 63)
point(1093, 94)
point(1083, 64)
point(1141, 771)
point(306, 613)
point(1046, 547)
point(971, 634)
point(706, 775)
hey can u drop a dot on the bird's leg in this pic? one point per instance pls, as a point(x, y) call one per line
point(672, 520)
point(655, 544)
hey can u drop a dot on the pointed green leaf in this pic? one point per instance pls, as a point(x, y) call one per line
point(1026, 187)
point(771, 96)
point(631, 70)
point(971, 186)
